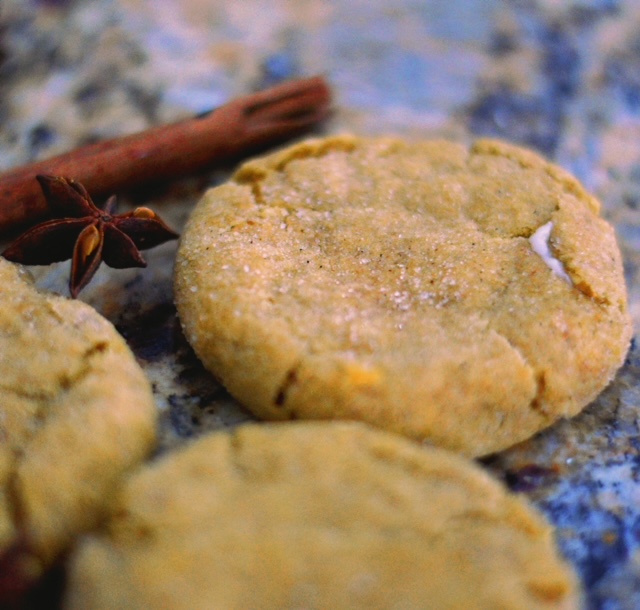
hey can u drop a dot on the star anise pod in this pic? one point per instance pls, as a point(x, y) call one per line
point(86, 234)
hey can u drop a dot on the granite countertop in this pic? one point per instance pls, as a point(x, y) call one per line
point(562, 77)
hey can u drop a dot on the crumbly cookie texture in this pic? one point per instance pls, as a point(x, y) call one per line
point(318, 515)
point(76, 413)
point(398, 283)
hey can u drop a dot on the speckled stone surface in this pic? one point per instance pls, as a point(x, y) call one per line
point(561, 77)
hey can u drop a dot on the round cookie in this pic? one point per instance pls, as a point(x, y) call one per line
point(76, 413)
point(465, 296)
point(318, 515)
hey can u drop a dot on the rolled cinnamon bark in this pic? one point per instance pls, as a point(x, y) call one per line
point(163, 153)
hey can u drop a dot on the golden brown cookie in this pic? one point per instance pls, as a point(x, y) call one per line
point(466, 296)
point(76, 413)
point(318, 515)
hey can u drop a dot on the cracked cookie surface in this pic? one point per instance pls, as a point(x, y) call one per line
point(318, 515)
point(406, 285)
point(76, 413)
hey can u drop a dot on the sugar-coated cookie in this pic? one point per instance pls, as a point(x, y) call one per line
point(318, 515)
point(465, 296)
point(76, 413)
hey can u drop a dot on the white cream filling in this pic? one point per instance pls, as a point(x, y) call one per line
point(540, 244)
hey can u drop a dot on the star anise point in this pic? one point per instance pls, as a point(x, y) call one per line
point(87, 234)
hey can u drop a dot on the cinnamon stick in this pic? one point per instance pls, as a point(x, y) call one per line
point(163, 153)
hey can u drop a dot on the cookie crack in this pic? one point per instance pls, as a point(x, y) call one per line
point(43, 400)
point(256, 190)
point(289, 380)
point(530, 160)
point(540, 242)
point(40, 417)
point(539, 375)
point(585, 288)
point(94, 351)
point(252, 175)
point(20, 566)
point(314, 150)
point(64, 382)
point(537, 403)
point(563, 269)
point(25, 393)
